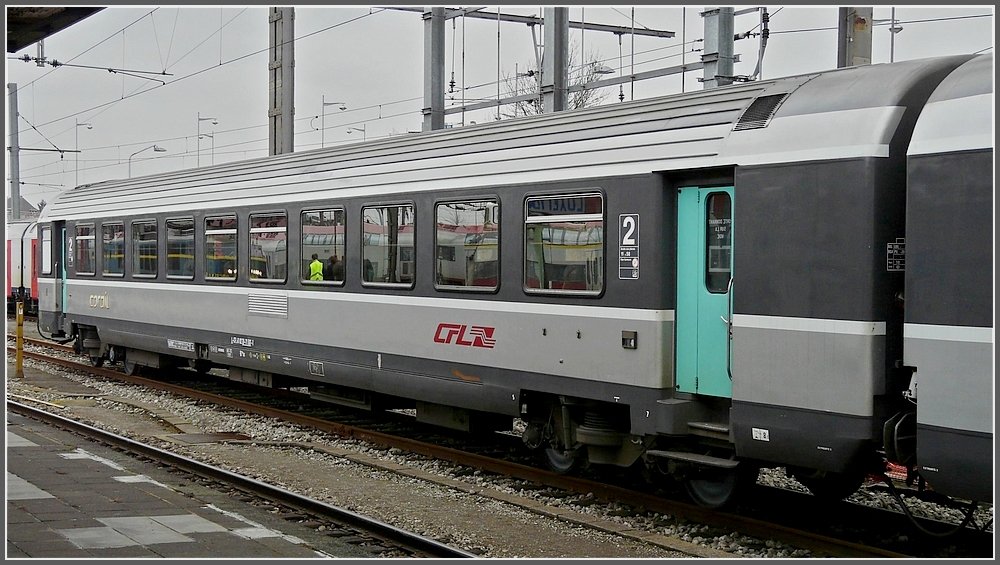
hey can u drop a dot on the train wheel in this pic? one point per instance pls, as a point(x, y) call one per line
point(828, 486)
point(560, 460)
point(131, 369)
point(96, 360)
point(715, 488)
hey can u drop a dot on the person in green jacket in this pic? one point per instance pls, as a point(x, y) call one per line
point(315, 268)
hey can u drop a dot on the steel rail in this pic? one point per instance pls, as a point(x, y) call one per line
point(818, 543)
point(402, 538)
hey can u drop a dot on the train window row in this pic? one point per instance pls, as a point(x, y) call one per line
point(563, 242)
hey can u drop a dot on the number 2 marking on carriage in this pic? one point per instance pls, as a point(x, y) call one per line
point(628, 246)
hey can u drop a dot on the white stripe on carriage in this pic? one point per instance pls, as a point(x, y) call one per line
point(970, 334)
point(817, 325)
point(596, 311)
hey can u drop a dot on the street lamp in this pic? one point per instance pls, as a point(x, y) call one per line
point(364, 134)
point(894, 28)
point(154, 147)
point(77, 130)
point(201, 119)
point(322, 130)
point(213, 144)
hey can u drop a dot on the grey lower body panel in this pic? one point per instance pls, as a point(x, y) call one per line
point(954, 375)
point(487, 389)
point(957, 463)
point(803, 438)
point(827, 366)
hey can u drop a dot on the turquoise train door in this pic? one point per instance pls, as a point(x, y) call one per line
point(704, 290)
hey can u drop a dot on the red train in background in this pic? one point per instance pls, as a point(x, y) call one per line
point(22, 278)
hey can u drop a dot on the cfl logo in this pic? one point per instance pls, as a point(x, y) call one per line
point(468, 336)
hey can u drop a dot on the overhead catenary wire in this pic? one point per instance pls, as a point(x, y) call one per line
point(136, 92)
point(206, 69)
point(21, 116)
point(91, 48)
point(466, 89)
point(165, 59)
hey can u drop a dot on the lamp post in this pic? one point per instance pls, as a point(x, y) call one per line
point(364, 134)
point(209, 135)
point(322, 130)
point(894, 28)
point(154, 147)
point(202, 119)
point(77, 130)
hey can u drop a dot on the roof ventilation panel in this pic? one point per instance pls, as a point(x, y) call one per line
point(760, 112)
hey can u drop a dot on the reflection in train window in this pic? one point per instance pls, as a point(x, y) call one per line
point(564, 244)
point(113, 249)
point(468, 245)
point(387, 245)
point(46, 238)
point(85, 250)
point(180, 248)
point(144, 256)
point(718, 243)
point(268, 247)
point(220, 248)
point(323, 235)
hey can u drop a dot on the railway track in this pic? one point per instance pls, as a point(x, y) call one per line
point(820, 532)
point(395, 540)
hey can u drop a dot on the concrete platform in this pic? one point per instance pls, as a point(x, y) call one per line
point(68, 497)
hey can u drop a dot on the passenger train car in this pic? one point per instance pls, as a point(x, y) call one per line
point(703, 284)
point(948, 324)
point(22, 277)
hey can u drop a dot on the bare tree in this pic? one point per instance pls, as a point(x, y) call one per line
point(527, 82)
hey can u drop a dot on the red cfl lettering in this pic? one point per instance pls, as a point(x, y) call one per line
point(466, 336)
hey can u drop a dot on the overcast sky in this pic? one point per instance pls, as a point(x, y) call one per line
point(215, 60)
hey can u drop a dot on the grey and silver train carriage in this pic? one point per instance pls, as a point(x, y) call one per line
point(948, 324)
point(702, 284)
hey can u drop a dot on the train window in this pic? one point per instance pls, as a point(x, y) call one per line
point(144, 255)
point(467, 244)
point(323, 236)
point(564, 244)
point(113, 250)
point(46, 238)
point(387, 254)
point(718, 243)
point(268, 247)
point(180, 248)
point(220, 248)
point(85, 250)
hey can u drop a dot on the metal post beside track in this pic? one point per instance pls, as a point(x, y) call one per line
point(19, 371)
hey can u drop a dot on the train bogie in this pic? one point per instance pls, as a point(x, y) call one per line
point(702, 284)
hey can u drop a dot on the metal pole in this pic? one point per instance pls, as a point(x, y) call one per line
point(19, 364)
point(683, 42)
point(854, 36)
point(15, 175)
point(322, 127)
point(554, 80)
point(433, 109)
point(718, 51)
point(281, 63)
point(892, 35)
point(198, 137)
